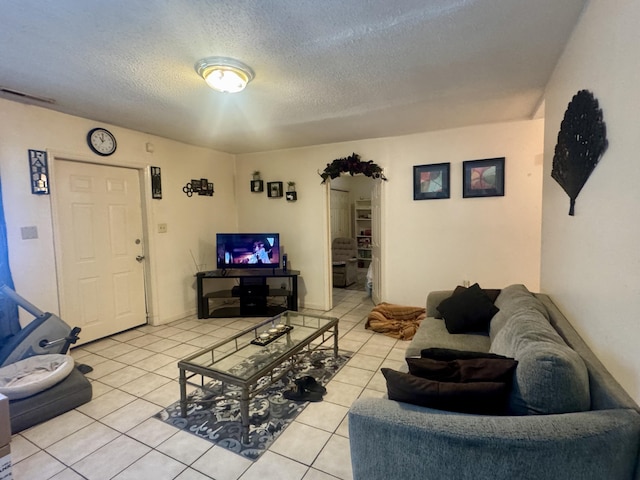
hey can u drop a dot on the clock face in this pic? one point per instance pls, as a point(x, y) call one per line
point(101, 141)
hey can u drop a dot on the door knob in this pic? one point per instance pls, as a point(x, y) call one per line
point(139, 258)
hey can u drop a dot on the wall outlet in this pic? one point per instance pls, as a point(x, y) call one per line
point(162, 228)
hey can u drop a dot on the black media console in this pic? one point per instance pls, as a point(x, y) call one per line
point(252, 291)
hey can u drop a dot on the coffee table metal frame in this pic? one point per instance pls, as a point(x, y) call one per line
point(323, 327)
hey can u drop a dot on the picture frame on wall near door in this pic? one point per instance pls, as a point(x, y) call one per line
point(431, 182)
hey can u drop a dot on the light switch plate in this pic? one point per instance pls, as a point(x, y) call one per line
point(29, 233)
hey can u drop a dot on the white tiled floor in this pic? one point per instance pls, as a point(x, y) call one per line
point(135, 375)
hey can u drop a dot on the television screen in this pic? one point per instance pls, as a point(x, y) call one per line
point(248, 250)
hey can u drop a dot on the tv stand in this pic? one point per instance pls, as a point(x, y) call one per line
point(253, 292)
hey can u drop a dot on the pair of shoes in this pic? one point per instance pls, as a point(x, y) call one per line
point(307, 390)
point(309, 383)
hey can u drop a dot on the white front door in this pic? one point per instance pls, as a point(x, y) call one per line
point(98, 237)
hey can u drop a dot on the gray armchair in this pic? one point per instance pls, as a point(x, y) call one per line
point(345, 264)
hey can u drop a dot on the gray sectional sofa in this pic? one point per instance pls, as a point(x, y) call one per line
point(566, 417)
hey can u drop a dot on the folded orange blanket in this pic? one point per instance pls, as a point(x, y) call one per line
point(397, 321)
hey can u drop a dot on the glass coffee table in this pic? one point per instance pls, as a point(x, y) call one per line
point(253, 359)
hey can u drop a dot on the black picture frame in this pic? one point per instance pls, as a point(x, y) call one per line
point(257, 186)
point(483, 178)
point(431, 182)
point(196, 185)
point(291, 196)
point(274, 189)
point(156, 183)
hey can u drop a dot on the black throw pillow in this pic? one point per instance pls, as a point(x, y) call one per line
point(464, 370)
point(469, 311)
point(437, 353)
point(484, 398)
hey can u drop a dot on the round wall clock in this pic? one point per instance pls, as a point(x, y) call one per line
point(101, 141)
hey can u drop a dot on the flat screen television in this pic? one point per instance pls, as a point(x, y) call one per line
point(248, 250)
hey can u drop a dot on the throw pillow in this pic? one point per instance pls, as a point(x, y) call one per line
point(452, 354)
point(492, 293)
point(464, 370)
point(470, 310)
point(483, 398)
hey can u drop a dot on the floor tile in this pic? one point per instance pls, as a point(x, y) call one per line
point(367, 362)
point(155, 361)
point(167, 394)
point(40, 466)
point(221, 464)
point(144, 340)
point(342, 393)
point(105, 368)
point(67, 474)
point(184, 447)
point(21, 448)
point(130, 415)
point(354, 376)
point(134, 356)
point(271, 466)
point(324, 415)
point(84, 442)
point(152, 432)
point(111, 459)
point(147, 383)
point(57, 428)
point(105, 404)
point(191, 474)
point(154, 465)
point(335, 458)
point(314, 474)
point(300, 442)
point(116, 350)
point(122, 376)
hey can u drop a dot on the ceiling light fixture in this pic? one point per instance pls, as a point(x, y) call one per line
point(224, 74)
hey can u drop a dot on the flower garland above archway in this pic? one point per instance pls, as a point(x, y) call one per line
point(352, 165)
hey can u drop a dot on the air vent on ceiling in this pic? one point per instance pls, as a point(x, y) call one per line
point(25, 96)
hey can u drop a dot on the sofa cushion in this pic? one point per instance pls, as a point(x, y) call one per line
point(516, 297)
point(433, 333)
point(524, 326)
point(470, 310)
point(464, 370)
point(512, 299)
point(487, 398)
point(550, 377)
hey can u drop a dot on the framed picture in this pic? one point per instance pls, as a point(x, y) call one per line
point(431, 181)
point(196, 185)
point(156, 183)
point(483, 178)
point(274, 189)
point(291, 196)
point(257, 186)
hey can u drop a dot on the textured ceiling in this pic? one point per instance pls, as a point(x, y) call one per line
point(326, 71)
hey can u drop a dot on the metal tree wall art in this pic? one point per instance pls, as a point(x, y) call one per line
point(582, 140)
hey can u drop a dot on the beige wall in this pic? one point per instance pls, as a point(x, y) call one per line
point(192, 222)
point(591, 261)
point(429, 244)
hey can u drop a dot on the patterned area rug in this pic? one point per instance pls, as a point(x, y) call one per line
point(216, 417)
